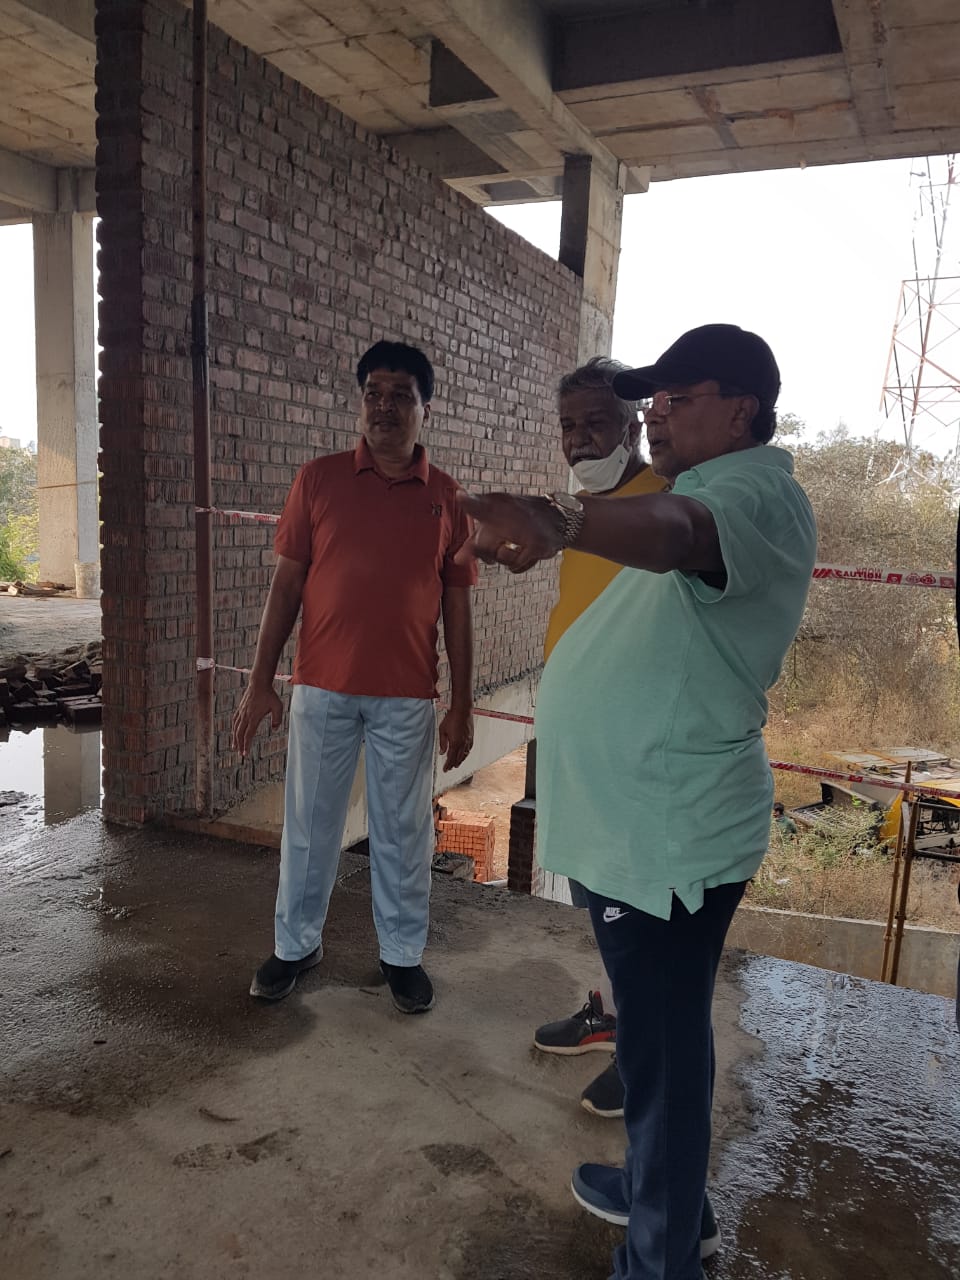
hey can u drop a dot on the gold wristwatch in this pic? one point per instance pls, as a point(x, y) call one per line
point(572, 513)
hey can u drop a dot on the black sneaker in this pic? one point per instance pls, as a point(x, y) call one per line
point(276, 978)
point(410, 987)
point(604, 1096)
point(591, 1028)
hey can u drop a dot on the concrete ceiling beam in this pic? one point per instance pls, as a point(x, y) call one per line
point(444, 152)
point(864, 36)
point(76, 190)
point(447, 154)
point(506, 46)
point(27, 184)
point(683, 41)
point(28, 187)
point(12, 216)
point(75, 16)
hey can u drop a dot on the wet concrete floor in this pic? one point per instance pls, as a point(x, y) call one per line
point(157, 1122)
point(48, 774)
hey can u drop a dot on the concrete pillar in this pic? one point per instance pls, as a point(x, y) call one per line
point(66, 393)
point(590, 245)
point(71, 772)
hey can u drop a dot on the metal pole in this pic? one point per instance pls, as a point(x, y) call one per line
point(894, 885)
point(200, 350)
point(908, 853)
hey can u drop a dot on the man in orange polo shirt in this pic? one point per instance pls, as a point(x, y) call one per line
point(366, 547)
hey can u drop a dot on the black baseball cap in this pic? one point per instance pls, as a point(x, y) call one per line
point(722, 352)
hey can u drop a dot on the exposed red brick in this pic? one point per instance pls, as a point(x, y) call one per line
point(321, 241)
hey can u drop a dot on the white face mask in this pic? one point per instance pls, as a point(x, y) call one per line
point(597, 475)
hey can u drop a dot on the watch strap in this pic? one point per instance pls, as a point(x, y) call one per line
point(572, 517)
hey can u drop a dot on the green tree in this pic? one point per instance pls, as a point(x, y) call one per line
point(19, 519)
point(11, 567)
point(18, 483)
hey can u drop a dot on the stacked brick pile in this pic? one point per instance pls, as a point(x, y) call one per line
point(472, 835)
point(38, 694)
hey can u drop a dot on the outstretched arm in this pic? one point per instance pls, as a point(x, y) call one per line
point(658, 531)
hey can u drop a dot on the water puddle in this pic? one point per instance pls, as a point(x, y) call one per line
point(855, 1148)
point(48, 774)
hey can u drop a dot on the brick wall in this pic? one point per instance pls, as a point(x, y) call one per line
point(321, 241)
point(521, 859)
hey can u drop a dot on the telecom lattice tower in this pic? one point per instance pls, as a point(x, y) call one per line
point(921, 391)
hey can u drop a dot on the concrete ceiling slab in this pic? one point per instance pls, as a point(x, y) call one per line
point(679, 87)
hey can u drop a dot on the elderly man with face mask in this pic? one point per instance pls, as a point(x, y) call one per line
point(599, 435)
point(653, 785)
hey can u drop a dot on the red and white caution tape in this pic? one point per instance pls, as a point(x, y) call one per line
point(208, 664)
point(886, 577)
point(821, 572)
point(259, 517)
point(502, 715)
point(871, 780)
point(811, 771)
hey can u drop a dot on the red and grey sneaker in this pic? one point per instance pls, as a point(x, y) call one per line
point(589, 1029)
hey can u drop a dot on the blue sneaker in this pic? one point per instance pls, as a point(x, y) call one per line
point(598, 1188)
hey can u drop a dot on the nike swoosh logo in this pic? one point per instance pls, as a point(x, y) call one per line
point(612, 913)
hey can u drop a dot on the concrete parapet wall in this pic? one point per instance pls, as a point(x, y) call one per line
point(928, 960)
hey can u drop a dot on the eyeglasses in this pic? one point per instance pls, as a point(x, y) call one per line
point(663, 402)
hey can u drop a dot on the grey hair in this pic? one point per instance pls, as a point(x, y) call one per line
point(598, 374)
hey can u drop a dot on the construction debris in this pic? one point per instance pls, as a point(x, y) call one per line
point(42, 590)
point(41, 693)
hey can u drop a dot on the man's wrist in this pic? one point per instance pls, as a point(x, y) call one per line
point(462, 706)
point(568, 515)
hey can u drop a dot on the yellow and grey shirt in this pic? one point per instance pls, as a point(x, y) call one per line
point(583, 577)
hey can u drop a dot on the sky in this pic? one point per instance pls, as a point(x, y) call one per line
point(18, 365)
point(811, 259)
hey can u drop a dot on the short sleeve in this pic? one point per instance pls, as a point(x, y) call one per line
point(766, 531)
point(294, 538)
point(453, 574)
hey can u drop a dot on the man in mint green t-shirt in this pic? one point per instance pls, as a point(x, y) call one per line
point(654, 789)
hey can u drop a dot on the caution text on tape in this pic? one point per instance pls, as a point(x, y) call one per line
point(886, 577)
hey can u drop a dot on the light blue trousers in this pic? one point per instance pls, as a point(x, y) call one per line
point(326, 730)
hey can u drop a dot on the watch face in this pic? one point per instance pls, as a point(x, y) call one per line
point(567, 501)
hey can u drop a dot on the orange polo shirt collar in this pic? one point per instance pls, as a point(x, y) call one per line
point(419, 469)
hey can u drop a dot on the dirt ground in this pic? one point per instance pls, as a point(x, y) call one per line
point(492, 791)
point(32, 628)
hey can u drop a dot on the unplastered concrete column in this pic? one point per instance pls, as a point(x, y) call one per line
point(66, 393)
point(590, 244)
